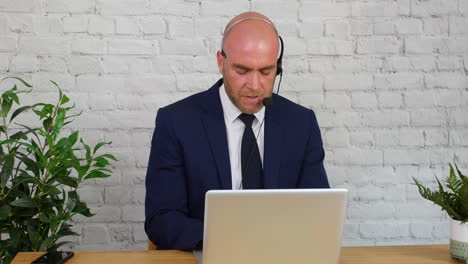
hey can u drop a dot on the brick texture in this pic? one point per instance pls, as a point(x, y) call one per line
point(387, 80)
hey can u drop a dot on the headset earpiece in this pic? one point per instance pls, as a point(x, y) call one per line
point(279, 63)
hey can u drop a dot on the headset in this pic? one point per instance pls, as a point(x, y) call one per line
point(279, 62)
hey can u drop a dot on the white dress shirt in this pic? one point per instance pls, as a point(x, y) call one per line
point(235, 130)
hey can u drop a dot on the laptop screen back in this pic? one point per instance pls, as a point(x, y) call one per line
point(273, 226)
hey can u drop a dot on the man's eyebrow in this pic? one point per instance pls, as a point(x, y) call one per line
point(243, 67)
point(269, 67)
point(240, 66)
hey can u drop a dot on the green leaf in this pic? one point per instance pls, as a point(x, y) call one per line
point(19, 79)
point(72, 200)
point(30, 130)
point(58, 87)
point(49, 139)
point(19, 135)
point(22, 189)
point(52, 190)
point(7, 169)
point(14, 97)
point(99, 145)
point(104, 170)
point(441, 187)
point(82, 208)
point(24, 202)
point(25, 212)
point(462, 177)
point(43, 218)
point(108, 156)
point(6, 105)
point(31, 165)
point(88, 150)
point(19, 111)
point(452, 182)
point(47, 243)
point(8, 141)
point(4, 212)
point(82, 170)
point(66, 231)
point(21, 179)
point(46, 124)
point(64, 100)
point(71, 116)
point(96, 174)
point(15, 236)
point(73, 138)
point(101, 162)
point(67, 180)
point(46, 110)
point(33, 147)
point(59, 244)
point(59, 121)
point(63, 144)
point(33, 236)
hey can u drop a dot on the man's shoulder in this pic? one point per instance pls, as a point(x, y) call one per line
point(299, 120)
point(289, 107)
point(189, 103)
point(195, 103)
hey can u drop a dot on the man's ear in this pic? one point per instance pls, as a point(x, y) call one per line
point(219, 59)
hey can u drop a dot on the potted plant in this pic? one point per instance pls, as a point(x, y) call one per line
point(41, 169)
point(453, 198)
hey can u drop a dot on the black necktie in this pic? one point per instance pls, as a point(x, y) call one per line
point(252, 172)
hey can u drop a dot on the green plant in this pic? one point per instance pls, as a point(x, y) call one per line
point(40, 171)
point(454, 200)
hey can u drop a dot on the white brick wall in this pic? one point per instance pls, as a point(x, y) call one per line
point(387, 80)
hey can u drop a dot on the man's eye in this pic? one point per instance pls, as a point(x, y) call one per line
point(265, 73)
point(241, 72)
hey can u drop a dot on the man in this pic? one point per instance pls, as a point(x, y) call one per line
point(225, 138)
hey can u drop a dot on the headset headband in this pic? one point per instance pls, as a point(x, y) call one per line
point(249, 18)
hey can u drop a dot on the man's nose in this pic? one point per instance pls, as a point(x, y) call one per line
point(254, 81)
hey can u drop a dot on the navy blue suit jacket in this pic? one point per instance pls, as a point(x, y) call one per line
point(189, 156)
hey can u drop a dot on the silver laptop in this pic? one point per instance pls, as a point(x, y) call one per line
point(273, 226)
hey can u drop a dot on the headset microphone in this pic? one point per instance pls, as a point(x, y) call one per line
point(267, 101)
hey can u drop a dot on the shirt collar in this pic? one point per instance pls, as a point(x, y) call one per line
point(231, 112)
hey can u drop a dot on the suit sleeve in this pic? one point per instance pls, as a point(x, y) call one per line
point(167, 221)
point(313, 173)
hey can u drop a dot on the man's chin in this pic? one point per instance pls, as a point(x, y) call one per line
point(251, 110)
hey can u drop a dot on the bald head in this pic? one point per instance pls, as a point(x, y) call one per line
point(249, 22)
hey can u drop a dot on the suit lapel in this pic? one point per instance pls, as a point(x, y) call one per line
point(274, 140)
point(215, 128)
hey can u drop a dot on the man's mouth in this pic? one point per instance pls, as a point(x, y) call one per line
point(252, 98)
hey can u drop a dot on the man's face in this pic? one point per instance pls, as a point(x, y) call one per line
point(249, 74)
